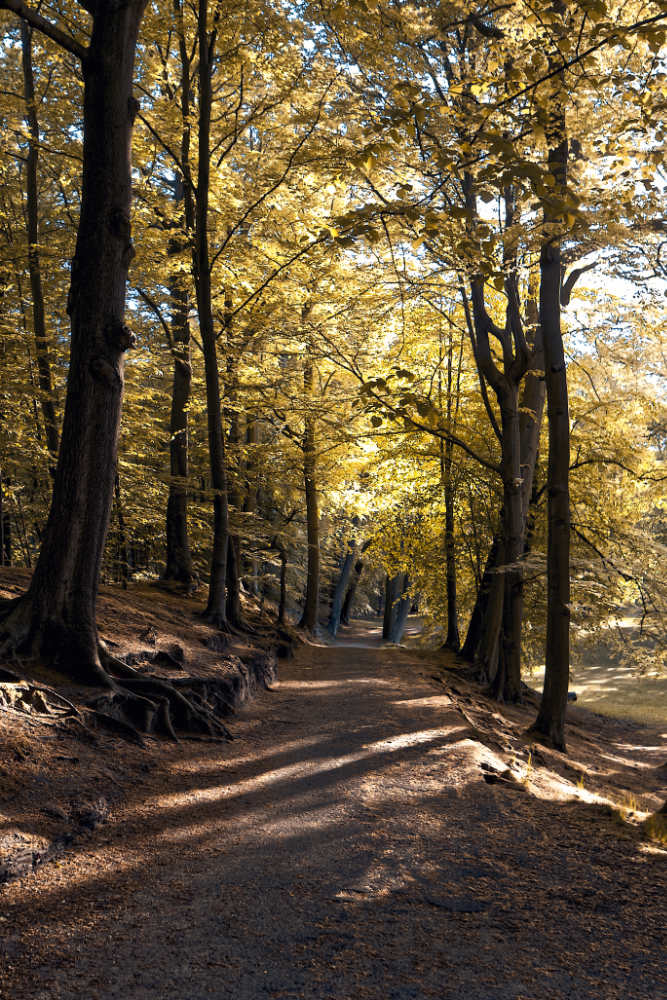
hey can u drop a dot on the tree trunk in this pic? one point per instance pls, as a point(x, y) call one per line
point(282, 603)
point(453, 640)
point(341, 590)
point(393, 590)
point(310, 616)
point(352, 589)
point(401, 609)
point(479, 610)
point(234, 614)
point(507, 681)
point(5, 529)
point(396, 607)
point(531, 411)
point(216, 611)
point(123, 549)
point(550, 721)
point(56, 617)
point(46, 395)
point(178, 565)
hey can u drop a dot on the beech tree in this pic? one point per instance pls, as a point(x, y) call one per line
point(56, 617)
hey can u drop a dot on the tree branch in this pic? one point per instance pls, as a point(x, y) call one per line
point(40, 23)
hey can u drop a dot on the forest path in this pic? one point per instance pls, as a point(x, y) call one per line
point(345, 846)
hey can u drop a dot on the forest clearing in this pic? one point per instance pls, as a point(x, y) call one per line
point(333, 427)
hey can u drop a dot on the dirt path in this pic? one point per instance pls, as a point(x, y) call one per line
point(345, 846)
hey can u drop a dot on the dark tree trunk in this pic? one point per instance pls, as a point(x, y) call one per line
point(530, 423)
point(479, 610)
point(390, 597)
point(310, 617)
point(216, 610)
point(46, 395)
point(453, 640)
point(5, 529)
point(56, 617)
point(550, 721)
point(487, 651)
point(178, 565)
point(250, 562)
point(340, 591)
point(507, 680)
point(282, 603)
point(123, 548)
point(234, 614)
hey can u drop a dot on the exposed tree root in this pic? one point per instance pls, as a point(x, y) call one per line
point(218, 620)
point(132, 704)
point(552, 739)
point(40, 701)
point(153, 705)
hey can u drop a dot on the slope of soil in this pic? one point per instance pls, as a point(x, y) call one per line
point(60, 780)
point(377, 830)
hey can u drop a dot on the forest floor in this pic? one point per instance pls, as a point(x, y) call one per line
point(378, 830)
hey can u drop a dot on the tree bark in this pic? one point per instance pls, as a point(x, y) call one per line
point(56, 617)
point(550, 721)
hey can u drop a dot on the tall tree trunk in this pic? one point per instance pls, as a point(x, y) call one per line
point(531, 410)
point(234, 614)
point(250, 563)
point(310, 616)
point(550, 721)
point(178, 564)
point(216, 611)
point(453, 640)
point(56, 616)
point(46, 395)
